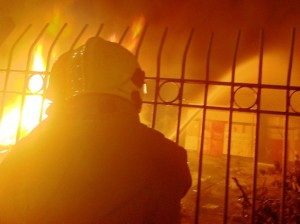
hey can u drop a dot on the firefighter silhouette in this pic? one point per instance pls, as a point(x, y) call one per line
point(92, 160)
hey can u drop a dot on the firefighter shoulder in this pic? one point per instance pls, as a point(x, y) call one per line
point(91, 160)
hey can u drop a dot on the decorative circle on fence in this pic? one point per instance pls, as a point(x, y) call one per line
point(35, 83)
point(245, 97)
point(168, 91)
point(295, 101)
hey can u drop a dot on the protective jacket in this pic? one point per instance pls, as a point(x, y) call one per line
point(92, 161)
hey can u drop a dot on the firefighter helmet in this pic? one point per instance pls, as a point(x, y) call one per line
point(99, 66)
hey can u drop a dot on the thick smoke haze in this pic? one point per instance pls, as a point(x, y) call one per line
point(213, 14)
point(223, 18)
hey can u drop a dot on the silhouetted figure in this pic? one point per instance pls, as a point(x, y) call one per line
point(91, 160)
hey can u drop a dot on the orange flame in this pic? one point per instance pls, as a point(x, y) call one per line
point(8, 127)
point(135, 33)
point(113, 38)
point(32, 106)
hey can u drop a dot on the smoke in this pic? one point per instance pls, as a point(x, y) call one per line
point(207, 16)
point(213, 14)
point(223, 18)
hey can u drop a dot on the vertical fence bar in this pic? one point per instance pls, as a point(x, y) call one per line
point(53, 44)
point(99, 30)
point(78, 36)
point(157, 83)
point(46, 78)
point(123, 35)
point(197, 209)
point(8, 69)
point(257, 131)
point(26, 79)
point(286, 131)
point(180, 95)
point(228, 159)
point(137, 51)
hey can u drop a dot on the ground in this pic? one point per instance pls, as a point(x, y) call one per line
point(213, 188)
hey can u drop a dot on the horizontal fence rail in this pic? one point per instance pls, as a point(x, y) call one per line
point(236, 127)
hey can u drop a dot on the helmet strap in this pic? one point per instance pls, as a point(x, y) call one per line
point(137, 100)
point(138, 78)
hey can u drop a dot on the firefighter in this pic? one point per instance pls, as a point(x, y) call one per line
point(92, 160)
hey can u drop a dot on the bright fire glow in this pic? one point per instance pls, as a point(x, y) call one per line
point(32, 106)
point(8, 126)
point(36, 81)
point(135, 33)
point(10, 123)
point(113, 38)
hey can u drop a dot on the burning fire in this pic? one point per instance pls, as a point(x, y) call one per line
point(22, 120)
point(133, 34)
point(32, 106)
point(113, 38)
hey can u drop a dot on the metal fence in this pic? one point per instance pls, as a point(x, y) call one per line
point(238, 124)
